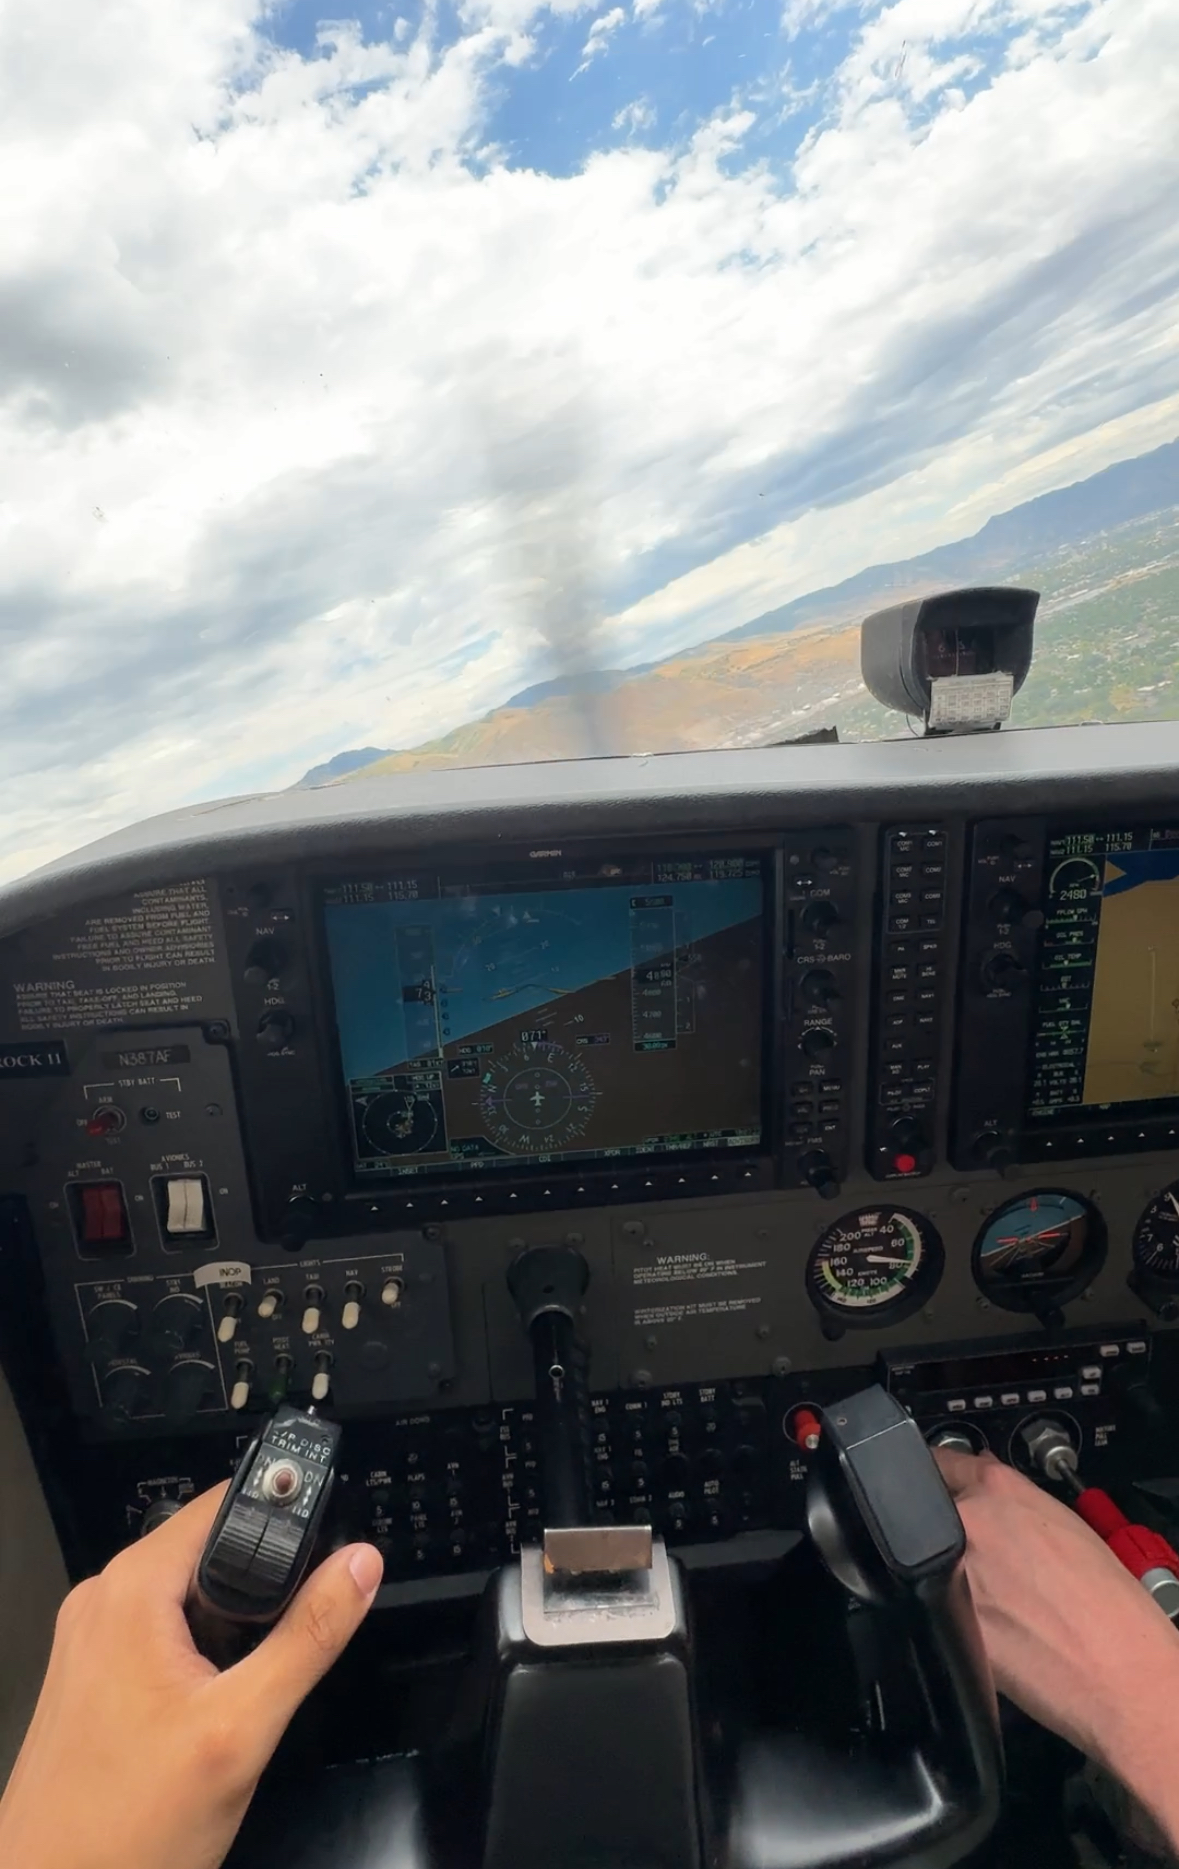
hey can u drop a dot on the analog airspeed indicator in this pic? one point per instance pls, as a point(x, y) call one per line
point(1156, 1240)
point(874, 1266)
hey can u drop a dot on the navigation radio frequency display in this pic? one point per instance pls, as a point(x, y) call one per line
point(593, 1010)
point(1106, 1028)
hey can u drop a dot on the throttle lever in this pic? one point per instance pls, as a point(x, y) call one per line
point(264, 1535)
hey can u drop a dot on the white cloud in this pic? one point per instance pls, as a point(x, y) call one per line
point(371, 415)
point(635, 117)
point(599, 37)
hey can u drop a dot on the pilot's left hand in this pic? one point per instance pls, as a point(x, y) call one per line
point(140, 1755)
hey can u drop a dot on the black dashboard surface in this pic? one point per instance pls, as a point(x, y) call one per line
point(790, 1131)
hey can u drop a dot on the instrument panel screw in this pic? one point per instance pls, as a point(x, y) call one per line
point(763, 1331)
point(633, 1230)
point(649, 1343)
point(781, 1366)
point(982, 1304)
point(641, 1379)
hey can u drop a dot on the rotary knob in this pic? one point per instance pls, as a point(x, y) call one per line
point(818, 1041)
point(818, 917)
point(276, 1029)
point(265, 961)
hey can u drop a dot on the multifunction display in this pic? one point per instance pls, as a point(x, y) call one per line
point(1106, 1024)
point(557, 1013)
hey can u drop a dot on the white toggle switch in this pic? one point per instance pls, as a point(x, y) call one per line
point(311, 1320)
point(187, 1211)
point(350, 1315)
point(227, 1328)
point(269, 1304)
point(239, 1395)
point(321, 1382)
point(391, 1292)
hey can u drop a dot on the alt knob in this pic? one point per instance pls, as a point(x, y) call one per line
point(818, 917)
point(275, 1029)
point(265, 961)
point(818, 1041)
point(995, 1151)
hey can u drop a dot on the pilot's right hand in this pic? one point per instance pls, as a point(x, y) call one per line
point(140, 1755)
point(1072, 1637)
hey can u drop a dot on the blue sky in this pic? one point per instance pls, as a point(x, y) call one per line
point(360, 373)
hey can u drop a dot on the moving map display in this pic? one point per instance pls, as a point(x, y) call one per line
point(1107, 997)
point(607, 1010)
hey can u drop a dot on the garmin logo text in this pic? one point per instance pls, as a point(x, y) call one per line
point(24, 1059)
point(544, 853)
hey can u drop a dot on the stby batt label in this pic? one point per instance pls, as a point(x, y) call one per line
point(24, 1058)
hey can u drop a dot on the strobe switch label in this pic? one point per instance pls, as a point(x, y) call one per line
point(22, 1058)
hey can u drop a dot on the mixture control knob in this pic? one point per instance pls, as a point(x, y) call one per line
point(111, 1326)
point(123, 1390)
point(186, 1387)
point(1009, 906)
point(817, 1168)
point(265, 961)
point(350, 1315)
point(312, 1309)
point(177, 1320)
point(820, 987)
point(817, 917)
point(955, 1439)
point(1003, 971)
point(276, 1029)
point(818, 1041)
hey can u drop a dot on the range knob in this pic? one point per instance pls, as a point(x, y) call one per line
point(1003, 972)
point(820, 987)
point(276, 1029)
point(123, 1390)
point(111, 1326)
point(818, 917)
point(818, 1041)
point(817, 1169)
point(176, 1321)
point(265, 961)
point(186, 1387)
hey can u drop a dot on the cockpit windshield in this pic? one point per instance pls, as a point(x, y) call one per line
point(496, 380)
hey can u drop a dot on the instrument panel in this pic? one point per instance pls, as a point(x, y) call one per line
point(814, 1101)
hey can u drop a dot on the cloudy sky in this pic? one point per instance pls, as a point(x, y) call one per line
point(350, 367)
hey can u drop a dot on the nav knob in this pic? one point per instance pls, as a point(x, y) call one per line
point(276, 1029)
point(818, 1041)
point(817, 1168)
point(1009, 906)
point(817, 917)
point(265, 961)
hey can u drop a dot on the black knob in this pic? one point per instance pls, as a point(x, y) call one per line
point(275, 1029)
point(822, 858)
point(110, 1326)
point(176, 1322)
point(817, 917)
point(1003, 971)
point(1017, 849)
point(995, 1151)
point(1007, 905)
point(677, 1471)
point(123, 1391)
point(820, 987)
point(187, 1385)
point(265, 961)
point(817, 1168)
point(818, 1041)
point(159, 1511)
